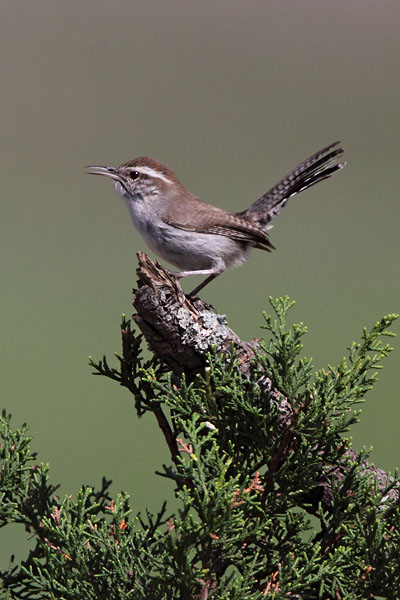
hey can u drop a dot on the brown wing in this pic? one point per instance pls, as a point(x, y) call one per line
point(202, 217)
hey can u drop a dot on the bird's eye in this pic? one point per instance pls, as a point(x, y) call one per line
point(134, 175)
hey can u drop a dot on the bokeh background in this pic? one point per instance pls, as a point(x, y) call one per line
point(231, 95)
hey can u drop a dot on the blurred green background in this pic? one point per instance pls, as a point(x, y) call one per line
point(231, 95)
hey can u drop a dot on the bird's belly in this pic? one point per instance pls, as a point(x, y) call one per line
point(187, 250)
point(192, 251)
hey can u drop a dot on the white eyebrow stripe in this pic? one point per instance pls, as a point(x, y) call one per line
point(152, 173)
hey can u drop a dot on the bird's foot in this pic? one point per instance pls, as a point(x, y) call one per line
point(179, 290)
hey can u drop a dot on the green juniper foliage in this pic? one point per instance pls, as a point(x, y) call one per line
point(251, 458)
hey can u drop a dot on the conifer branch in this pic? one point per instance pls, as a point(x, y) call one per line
point(182, 334)
point(257, 440)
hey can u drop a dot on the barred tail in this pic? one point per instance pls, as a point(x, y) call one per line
point(318, 167)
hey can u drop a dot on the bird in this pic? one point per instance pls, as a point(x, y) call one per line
point(197, 237)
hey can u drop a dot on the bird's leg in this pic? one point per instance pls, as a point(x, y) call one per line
point(212, 273)
point(203, 284)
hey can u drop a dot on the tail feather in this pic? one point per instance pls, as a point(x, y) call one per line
point(318, 167)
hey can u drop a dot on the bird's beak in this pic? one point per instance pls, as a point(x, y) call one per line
point(110, 172)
